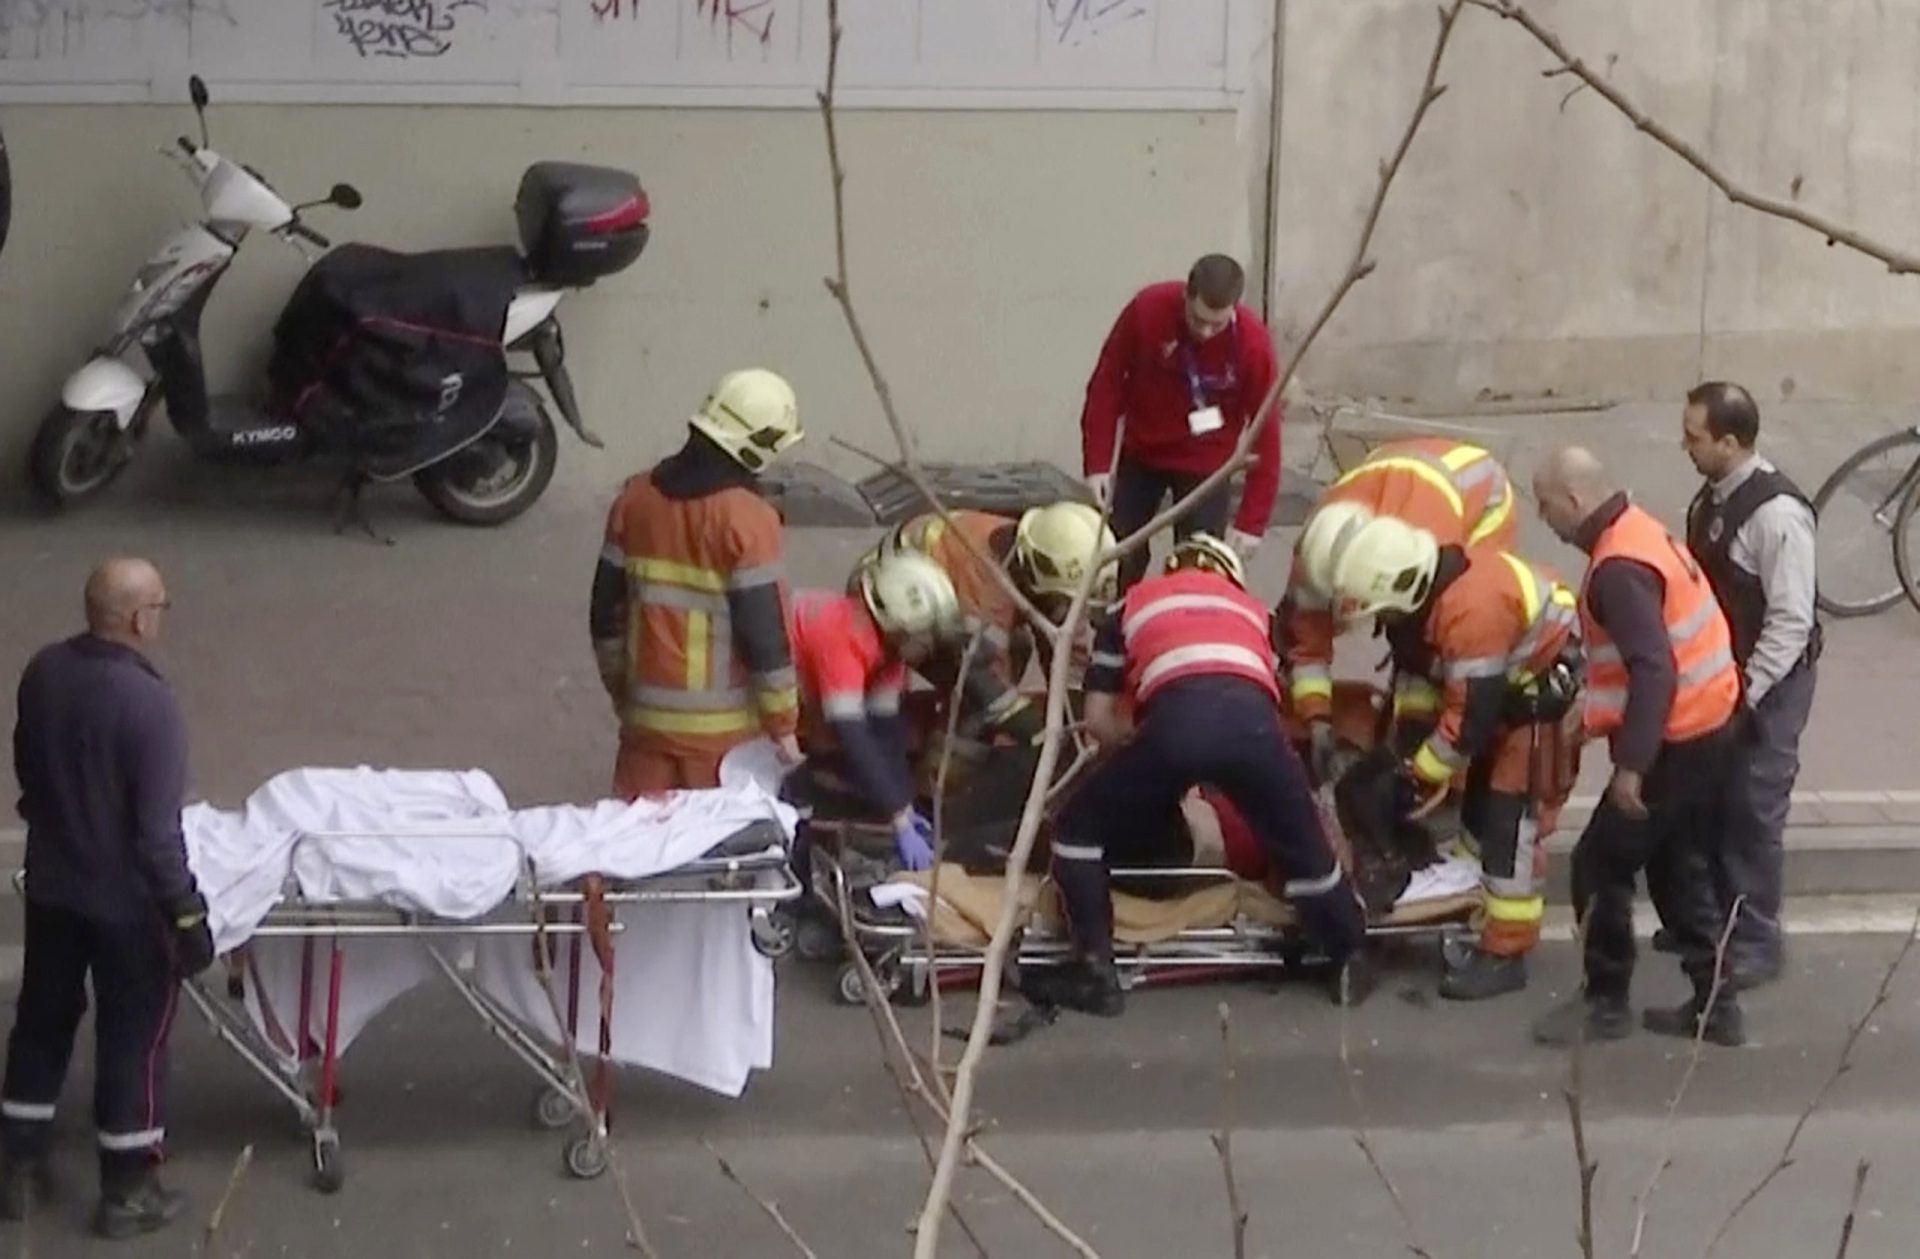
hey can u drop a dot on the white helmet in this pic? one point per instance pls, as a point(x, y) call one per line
point(1209, 554)
point(1054, 545)
point(908, 594)
point(752, 415)
point(1328, 531)
point(1386, 566)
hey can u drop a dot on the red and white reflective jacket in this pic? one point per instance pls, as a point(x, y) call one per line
point(1183, 625)
point(845, 671)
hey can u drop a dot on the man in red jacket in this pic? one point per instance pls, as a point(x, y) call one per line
point(1186, 367)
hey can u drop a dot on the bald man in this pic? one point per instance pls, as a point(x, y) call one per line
point(101, 755)
point(1661, 688)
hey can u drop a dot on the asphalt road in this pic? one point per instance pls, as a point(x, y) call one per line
point(290, 646)
point(1109, 1121)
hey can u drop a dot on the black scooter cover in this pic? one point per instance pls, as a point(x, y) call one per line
point(395, 359)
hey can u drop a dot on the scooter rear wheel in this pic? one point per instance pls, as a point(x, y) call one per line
point(495, 479)
point(76, 454)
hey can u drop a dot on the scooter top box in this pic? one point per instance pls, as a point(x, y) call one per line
point(580, 223)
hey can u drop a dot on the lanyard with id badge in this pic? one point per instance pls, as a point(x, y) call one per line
point(1206, 417)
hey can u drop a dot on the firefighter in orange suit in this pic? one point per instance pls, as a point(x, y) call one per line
point(1045, 552)
point(687, 616)
point(1458, 493)
point(1661, 688)
point(1494, 635)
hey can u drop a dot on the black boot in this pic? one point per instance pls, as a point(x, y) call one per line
point(1584, 1017)
point(136, 1207)
point(1479, 975)
point(1724, 1024)
point(26, 1183)
point(1090, 987)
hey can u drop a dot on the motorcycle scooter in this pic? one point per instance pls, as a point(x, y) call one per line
point(577, 224)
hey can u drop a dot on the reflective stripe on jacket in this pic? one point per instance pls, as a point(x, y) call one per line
point(1706, 681)
point(1457, 492)
point(704, 583)
point(845, 670)
point(1502, 619)
point(1189, 623)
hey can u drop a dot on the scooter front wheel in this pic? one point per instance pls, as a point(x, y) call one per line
point(496, 478)
point(77, 454)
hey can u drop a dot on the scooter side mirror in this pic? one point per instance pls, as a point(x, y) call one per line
point(346, 196)
point(197, 89)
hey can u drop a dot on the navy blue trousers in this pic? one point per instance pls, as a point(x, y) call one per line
point(1217, 731)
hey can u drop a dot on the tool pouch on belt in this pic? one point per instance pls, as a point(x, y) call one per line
point(1547, 699)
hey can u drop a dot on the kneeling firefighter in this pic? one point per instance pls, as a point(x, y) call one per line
point(852, 653)
point(1191, 650)
point(1046, 552)
point(1495, 636)
point(1457, 492)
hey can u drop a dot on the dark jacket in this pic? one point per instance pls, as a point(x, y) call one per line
point(100, 751)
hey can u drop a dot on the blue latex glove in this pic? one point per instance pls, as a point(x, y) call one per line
point(913, 841)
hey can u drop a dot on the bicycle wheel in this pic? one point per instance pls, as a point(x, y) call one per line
point(1855, 538)
point(1906, 549)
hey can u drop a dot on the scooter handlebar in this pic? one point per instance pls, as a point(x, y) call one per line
point(297, 228)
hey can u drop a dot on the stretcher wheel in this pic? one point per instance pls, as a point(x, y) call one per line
point(851, 987)
point(328, 1172)
point(818, 940)
point(585, 1156)
point(772, 934)
point(553, 1109)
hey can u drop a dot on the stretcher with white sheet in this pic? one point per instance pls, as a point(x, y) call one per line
point(333, 891)
point(1196, 921)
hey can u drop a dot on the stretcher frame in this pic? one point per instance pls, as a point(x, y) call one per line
point(748, 868)
point(907, 967)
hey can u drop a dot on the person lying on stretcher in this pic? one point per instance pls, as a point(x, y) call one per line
point(851, 654)
point(1191, 650)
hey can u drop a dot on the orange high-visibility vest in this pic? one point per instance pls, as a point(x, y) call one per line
point(1707, 682)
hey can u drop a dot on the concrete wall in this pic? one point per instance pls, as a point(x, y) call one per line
point(1529, 248)
point(990, 252)
point(1533, 245)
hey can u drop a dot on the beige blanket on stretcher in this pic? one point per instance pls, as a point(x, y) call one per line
point(969, 905)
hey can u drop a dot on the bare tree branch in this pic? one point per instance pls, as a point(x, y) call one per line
point(219, 1214)
point(1835, 233)
point(1643, 1204)
point(1358, 269)
point(1364, 1138)
point(1840, 1068)
point(1575, 1095)
point(954, 699)
point(926, 1242)
point(1853, 1208)
point(1223, 1139)
point(767, 1205)
point(840, 287)
point(904, 1067)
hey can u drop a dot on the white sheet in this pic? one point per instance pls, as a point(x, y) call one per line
point(692, 996)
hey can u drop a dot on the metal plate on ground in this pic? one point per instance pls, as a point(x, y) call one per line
point(810, 496)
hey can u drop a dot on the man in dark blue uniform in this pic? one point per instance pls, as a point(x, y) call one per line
point(100, 751)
